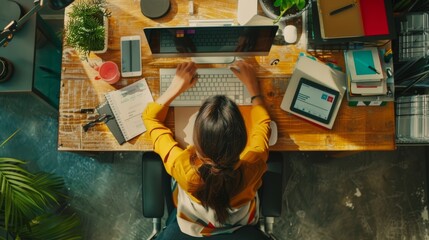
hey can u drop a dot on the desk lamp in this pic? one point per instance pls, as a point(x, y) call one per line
point(7, 33)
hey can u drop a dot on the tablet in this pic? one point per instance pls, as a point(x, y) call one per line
point(314, 101)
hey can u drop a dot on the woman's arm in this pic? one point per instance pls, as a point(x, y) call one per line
point(260, 131)
point(185, 78)
point(245, 72)
point(155, 113)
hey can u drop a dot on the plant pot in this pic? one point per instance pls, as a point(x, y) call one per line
point(273, 12)
point(87, 28)
point(106, 35)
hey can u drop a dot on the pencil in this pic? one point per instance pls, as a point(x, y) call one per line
point(341, 9)
point(373, 69)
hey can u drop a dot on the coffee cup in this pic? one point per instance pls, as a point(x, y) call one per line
point(6, 69)
point(108, 71)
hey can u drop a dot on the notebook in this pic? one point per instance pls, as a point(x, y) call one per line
point(346, 23)
point(374, 17)
point(112, 124)
point(364, 65)
point(127, 105)
point(315, 40)
point(352, 18)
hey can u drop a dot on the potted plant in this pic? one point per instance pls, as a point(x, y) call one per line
point(87, 26)
point(33, 206)
point(281, 10)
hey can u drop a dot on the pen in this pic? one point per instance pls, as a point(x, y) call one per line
point(373, 69)
point(341, 9)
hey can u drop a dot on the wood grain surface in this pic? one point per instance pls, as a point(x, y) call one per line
point(355, 129)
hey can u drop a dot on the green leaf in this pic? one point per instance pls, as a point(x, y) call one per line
point(51, 226)
point(18, 197)
point(10, 137)
point(278, 3)
point(300, 4)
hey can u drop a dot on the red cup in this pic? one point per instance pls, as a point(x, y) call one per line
point(109, 72)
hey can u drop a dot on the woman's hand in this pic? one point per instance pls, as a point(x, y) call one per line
point(245, 72)
point(184, 79)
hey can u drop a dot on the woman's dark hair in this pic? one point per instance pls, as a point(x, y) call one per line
point(219, 138)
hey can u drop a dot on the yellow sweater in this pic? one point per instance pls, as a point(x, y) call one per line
point(194, 219)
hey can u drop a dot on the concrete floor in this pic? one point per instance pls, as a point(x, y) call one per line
point(368, 195)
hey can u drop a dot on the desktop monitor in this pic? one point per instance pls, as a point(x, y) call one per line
point(210, 41)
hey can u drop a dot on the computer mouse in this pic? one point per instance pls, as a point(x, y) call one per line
point(274, 133)
point(154, 8)
point(290, 34)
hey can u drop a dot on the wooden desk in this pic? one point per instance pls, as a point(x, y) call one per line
point(356, 128)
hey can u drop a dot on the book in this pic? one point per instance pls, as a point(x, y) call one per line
point(371, 93)
point(112, 124)
point(335, 23)
point(364, 65)
point(354, 18)
point(368, 88)
point(316, 42)
point(374, 17)
point(127, 105)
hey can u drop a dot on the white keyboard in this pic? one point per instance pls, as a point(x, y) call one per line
point(211, 81)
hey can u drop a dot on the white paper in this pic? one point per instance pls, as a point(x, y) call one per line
point(128, 105)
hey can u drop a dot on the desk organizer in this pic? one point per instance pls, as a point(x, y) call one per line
point(414, 37)
point(412, 119)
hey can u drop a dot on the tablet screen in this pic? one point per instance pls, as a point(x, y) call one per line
point(314, 101)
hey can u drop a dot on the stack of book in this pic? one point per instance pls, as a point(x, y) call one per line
point(368, 77)
point(348, 24)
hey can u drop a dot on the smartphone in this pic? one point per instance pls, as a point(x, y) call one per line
point(131, 57)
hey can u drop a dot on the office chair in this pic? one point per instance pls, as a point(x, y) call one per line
point(156, 190)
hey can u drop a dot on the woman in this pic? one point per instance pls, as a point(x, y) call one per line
point(218, 177)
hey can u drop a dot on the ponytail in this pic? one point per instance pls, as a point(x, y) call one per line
point(219, 137)
point(219, 185)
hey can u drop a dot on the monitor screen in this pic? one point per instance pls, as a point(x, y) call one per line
point(202, 41)
point(314, 101)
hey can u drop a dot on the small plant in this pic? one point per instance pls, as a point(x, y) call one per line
point(285, 5)
point(85, 28)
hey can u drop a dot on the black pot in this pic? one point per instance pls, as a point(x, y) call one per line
point(6, 69)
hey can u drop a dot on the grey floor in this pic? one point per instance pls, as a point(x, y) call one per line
point(369, 195)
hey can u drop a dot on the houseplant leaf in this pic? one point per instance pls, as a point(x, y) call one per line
point(53, 226)
point(300, 4)
point(17, 194)
point(32, 205)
